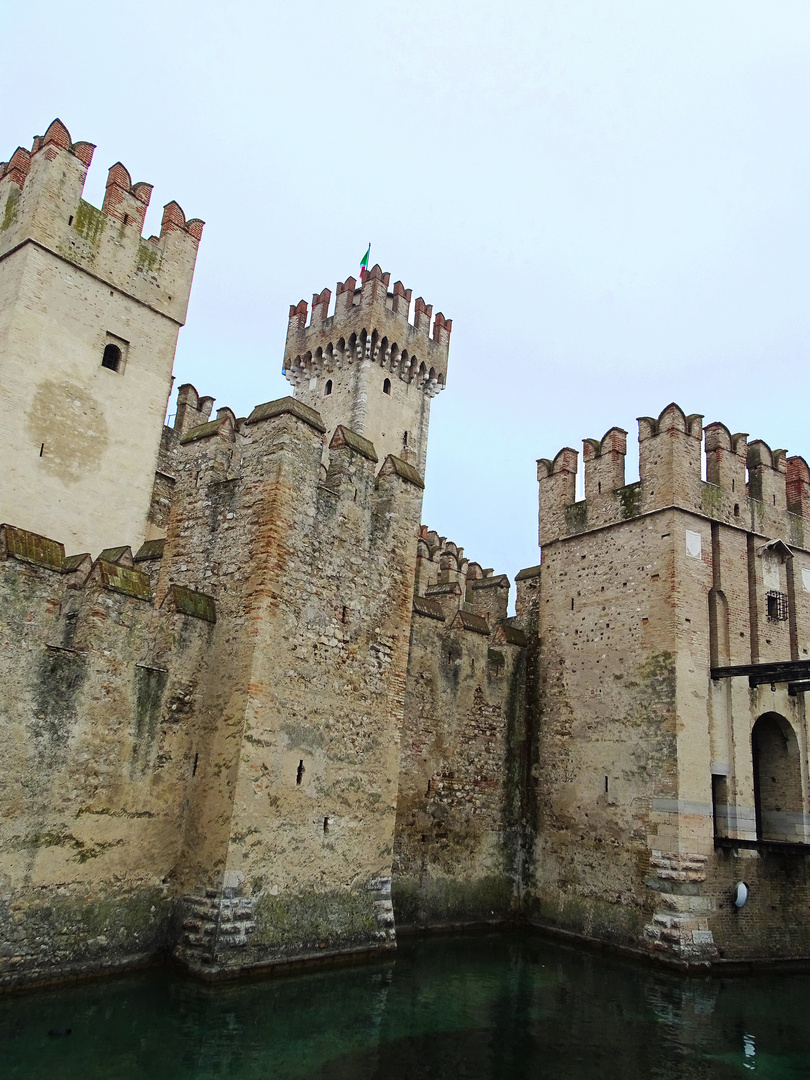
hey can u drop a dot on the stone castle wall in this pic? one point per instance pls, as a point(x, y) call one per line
point(99, 744)
point(294, 718)
point(651, 747)
point(239, 689)
point(460, 830)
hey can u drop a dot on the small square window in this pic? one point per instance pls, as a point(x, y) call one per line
point(111, 358)
point(114, 357)
point(777, 606)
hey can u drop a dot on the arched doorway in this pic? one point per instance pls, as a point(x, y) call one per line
point(777, 780)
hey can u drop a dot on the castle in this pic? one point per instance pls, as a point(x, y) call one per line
point(256, 714)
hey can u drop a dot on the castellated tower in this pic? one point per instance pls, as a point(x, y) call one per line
point(674, 615)
point(89, 316)
point(368, 367)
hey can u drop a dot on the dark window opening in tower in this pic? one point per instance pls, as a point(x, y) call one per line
point(328, 388)
point(387, 386)
point(111, 358)
point(405, 439)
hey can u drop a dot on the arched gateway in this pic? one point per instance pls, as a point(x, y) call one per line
point(777, 780)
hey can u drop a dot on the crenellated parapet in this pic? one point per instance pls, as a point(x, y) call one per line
point(558, 486)
point(71, 596)
point(669, 448)
point(41, 202)
point(370, 324)
point(445, 577)
point(747, 484)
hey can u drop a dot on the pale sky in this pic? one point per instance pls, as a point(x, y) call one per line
point(610, 200)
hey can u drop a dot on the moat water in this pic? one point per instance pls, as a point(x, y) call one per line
point(471, 1007)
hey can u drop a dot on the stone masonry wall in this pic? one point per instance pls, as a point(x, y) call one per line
point(645, 589)
point(459, 813)
point(294, 801)
point(99, 745)
point(606, 735)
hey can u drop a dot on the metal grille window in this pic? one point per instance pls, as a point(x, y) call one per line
point(777, 606)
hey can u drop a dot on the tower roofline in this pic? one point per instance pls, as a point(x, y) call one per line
point(369, 322)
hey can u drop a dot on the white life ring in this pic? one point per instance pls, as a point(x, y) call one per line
point(740, 894)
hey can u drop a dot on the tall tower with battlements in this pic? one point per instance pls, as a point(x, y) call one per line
point(90, 311)
point(368, 367)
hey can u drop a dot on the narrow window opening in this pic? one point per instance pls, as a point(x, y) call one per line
point(606, 785)
point(777, 606)
point(194, 767)
point(70, 220)
point(328, 388)
point(111, 358)
point(774, 500)
point(405, 439)
point(599, 487)
point(126, 219)
point(355, 495)
point(387, 386)
point(42, 449)
point(720, 804)
point(344, 615)
point(736, 509)
point(326, 824)
point(299, 775)
point(572, 603)
point(472, 665)
point(733, 482)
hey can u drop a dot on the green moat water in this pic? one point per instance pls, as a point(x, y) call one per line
point(501, 1005)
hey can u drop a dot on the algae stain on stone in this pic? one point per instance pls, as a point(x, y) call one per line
point(149, 257)
point(60, 676)
point(10, 209)
point(89, 222)
point(630, 499)
point(149, 689)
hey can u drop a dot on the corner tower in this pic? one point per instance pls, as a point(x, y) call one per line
point(367, 366)
point(89, 316)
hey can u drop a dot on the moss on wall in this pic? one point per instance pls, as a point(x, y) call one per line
point(590, 917)
point(445, 900)
point(150, 684)
point(10, 209)
point(76, 930)
point(629, 498)
point(305, 922)
point(89, 222)
point(712, 496)
point(576, 517)
point(59, 678)
point(149, 256)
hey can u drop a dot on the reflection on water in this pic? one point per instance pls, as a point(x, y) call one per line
point(503, 1005)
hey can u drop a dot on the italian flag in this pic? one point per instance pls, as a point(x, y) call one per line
point(364, 264)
